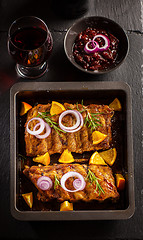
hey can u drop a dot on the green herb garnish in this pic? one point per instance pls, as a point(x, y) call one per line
point(57, 182)
point(91, 119)
point(23, 157)
point(93, 122)
point(93, 179)
point(46, 116)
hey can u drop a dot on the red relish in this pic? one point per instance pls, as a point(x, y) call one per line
point(98, 60)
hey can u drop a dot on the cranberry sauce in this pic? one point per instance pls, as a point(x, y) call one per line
point(98, 60)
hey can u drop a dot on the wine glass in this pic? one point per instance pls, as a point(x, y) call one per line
point(30, 44)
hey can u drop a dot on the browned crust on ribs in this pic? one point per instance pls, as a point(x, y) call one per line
point(104, 173)
point(77, 142)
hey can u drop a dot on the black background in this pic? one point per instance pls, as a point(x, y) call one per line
point(59, 17)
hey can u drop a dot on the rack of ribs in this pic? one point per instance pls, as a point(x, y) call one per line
point(77, 142)
point(103, 174)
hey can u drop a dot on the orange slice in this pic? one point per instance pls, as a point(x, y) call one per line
point(66, 157)
point(26, 166)
point(98, 137)
point(25, 107)
point(116, 105)
point(120, 181)
point(28, 197)
point(109, 156)
point(56, 108)
point(44, 159)
point(66, 206)
point(96, 159)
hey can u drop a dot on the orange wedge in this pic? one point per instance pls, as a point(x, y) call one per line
point(56, 108)
point(116, 105)
point(120, 181)
point(66, 157)
point(26, 166)
point(109, 156)
point(44, 159)
point(28, 197)
point(98, 137)
point(96, 159)
point(24, 108)
point(66, 206)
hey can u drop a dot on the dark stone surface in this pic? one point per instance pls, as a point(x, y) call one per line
point(125, 12)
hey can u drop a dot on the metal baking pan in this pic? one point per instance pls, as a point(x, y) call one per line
point(90, 92)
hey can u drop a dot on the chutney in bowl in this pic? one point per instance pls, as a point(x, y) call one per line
point(99, 62)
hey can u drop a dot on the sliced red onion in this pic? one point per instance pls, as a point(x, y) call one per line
point(94, 48)
point(79, 121)
point(44, 183)
point(40, 130)
point(107, 42)
point(73, 112)
point(46, 134)
point(73, 174)
point(77, 183)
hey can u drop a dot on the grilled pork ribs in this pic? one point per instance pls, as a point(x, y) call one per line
point(90, 192)
point(77, 142)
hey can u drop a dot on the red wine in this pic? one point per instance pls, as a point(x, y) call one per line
point(29, 38)
point(30, 46)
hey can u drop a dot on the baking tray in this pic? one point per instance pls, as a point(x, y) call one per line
point(90, 92)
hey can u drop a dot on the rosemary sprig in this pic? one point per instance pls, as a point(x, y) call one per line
point(93, 179)
point(46, 116)
point(23, 158)
point(57, 182)
point(91, 119)
point(82, 107)
point(70, 108)
point(93, 122)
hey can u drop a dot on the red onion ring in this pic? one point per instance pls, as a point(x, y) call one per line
point(46, 134)
point(95, 46)
point(44, 183)
point(73, 113)
point(77, 183)
point(77, 126)
point(40, 130)
point(107, 42)
point(73, 174)
point(81, 122)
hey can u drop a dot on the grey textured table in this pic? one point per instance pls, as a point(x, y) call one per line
point(128, 14)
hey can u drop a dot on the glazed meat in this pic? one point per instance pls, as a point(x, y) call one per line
point(77, 142)
point(102, 173)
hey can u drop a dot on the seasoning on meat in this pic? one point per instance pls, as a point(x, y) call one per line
point(77, 142)
point(90, 191)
